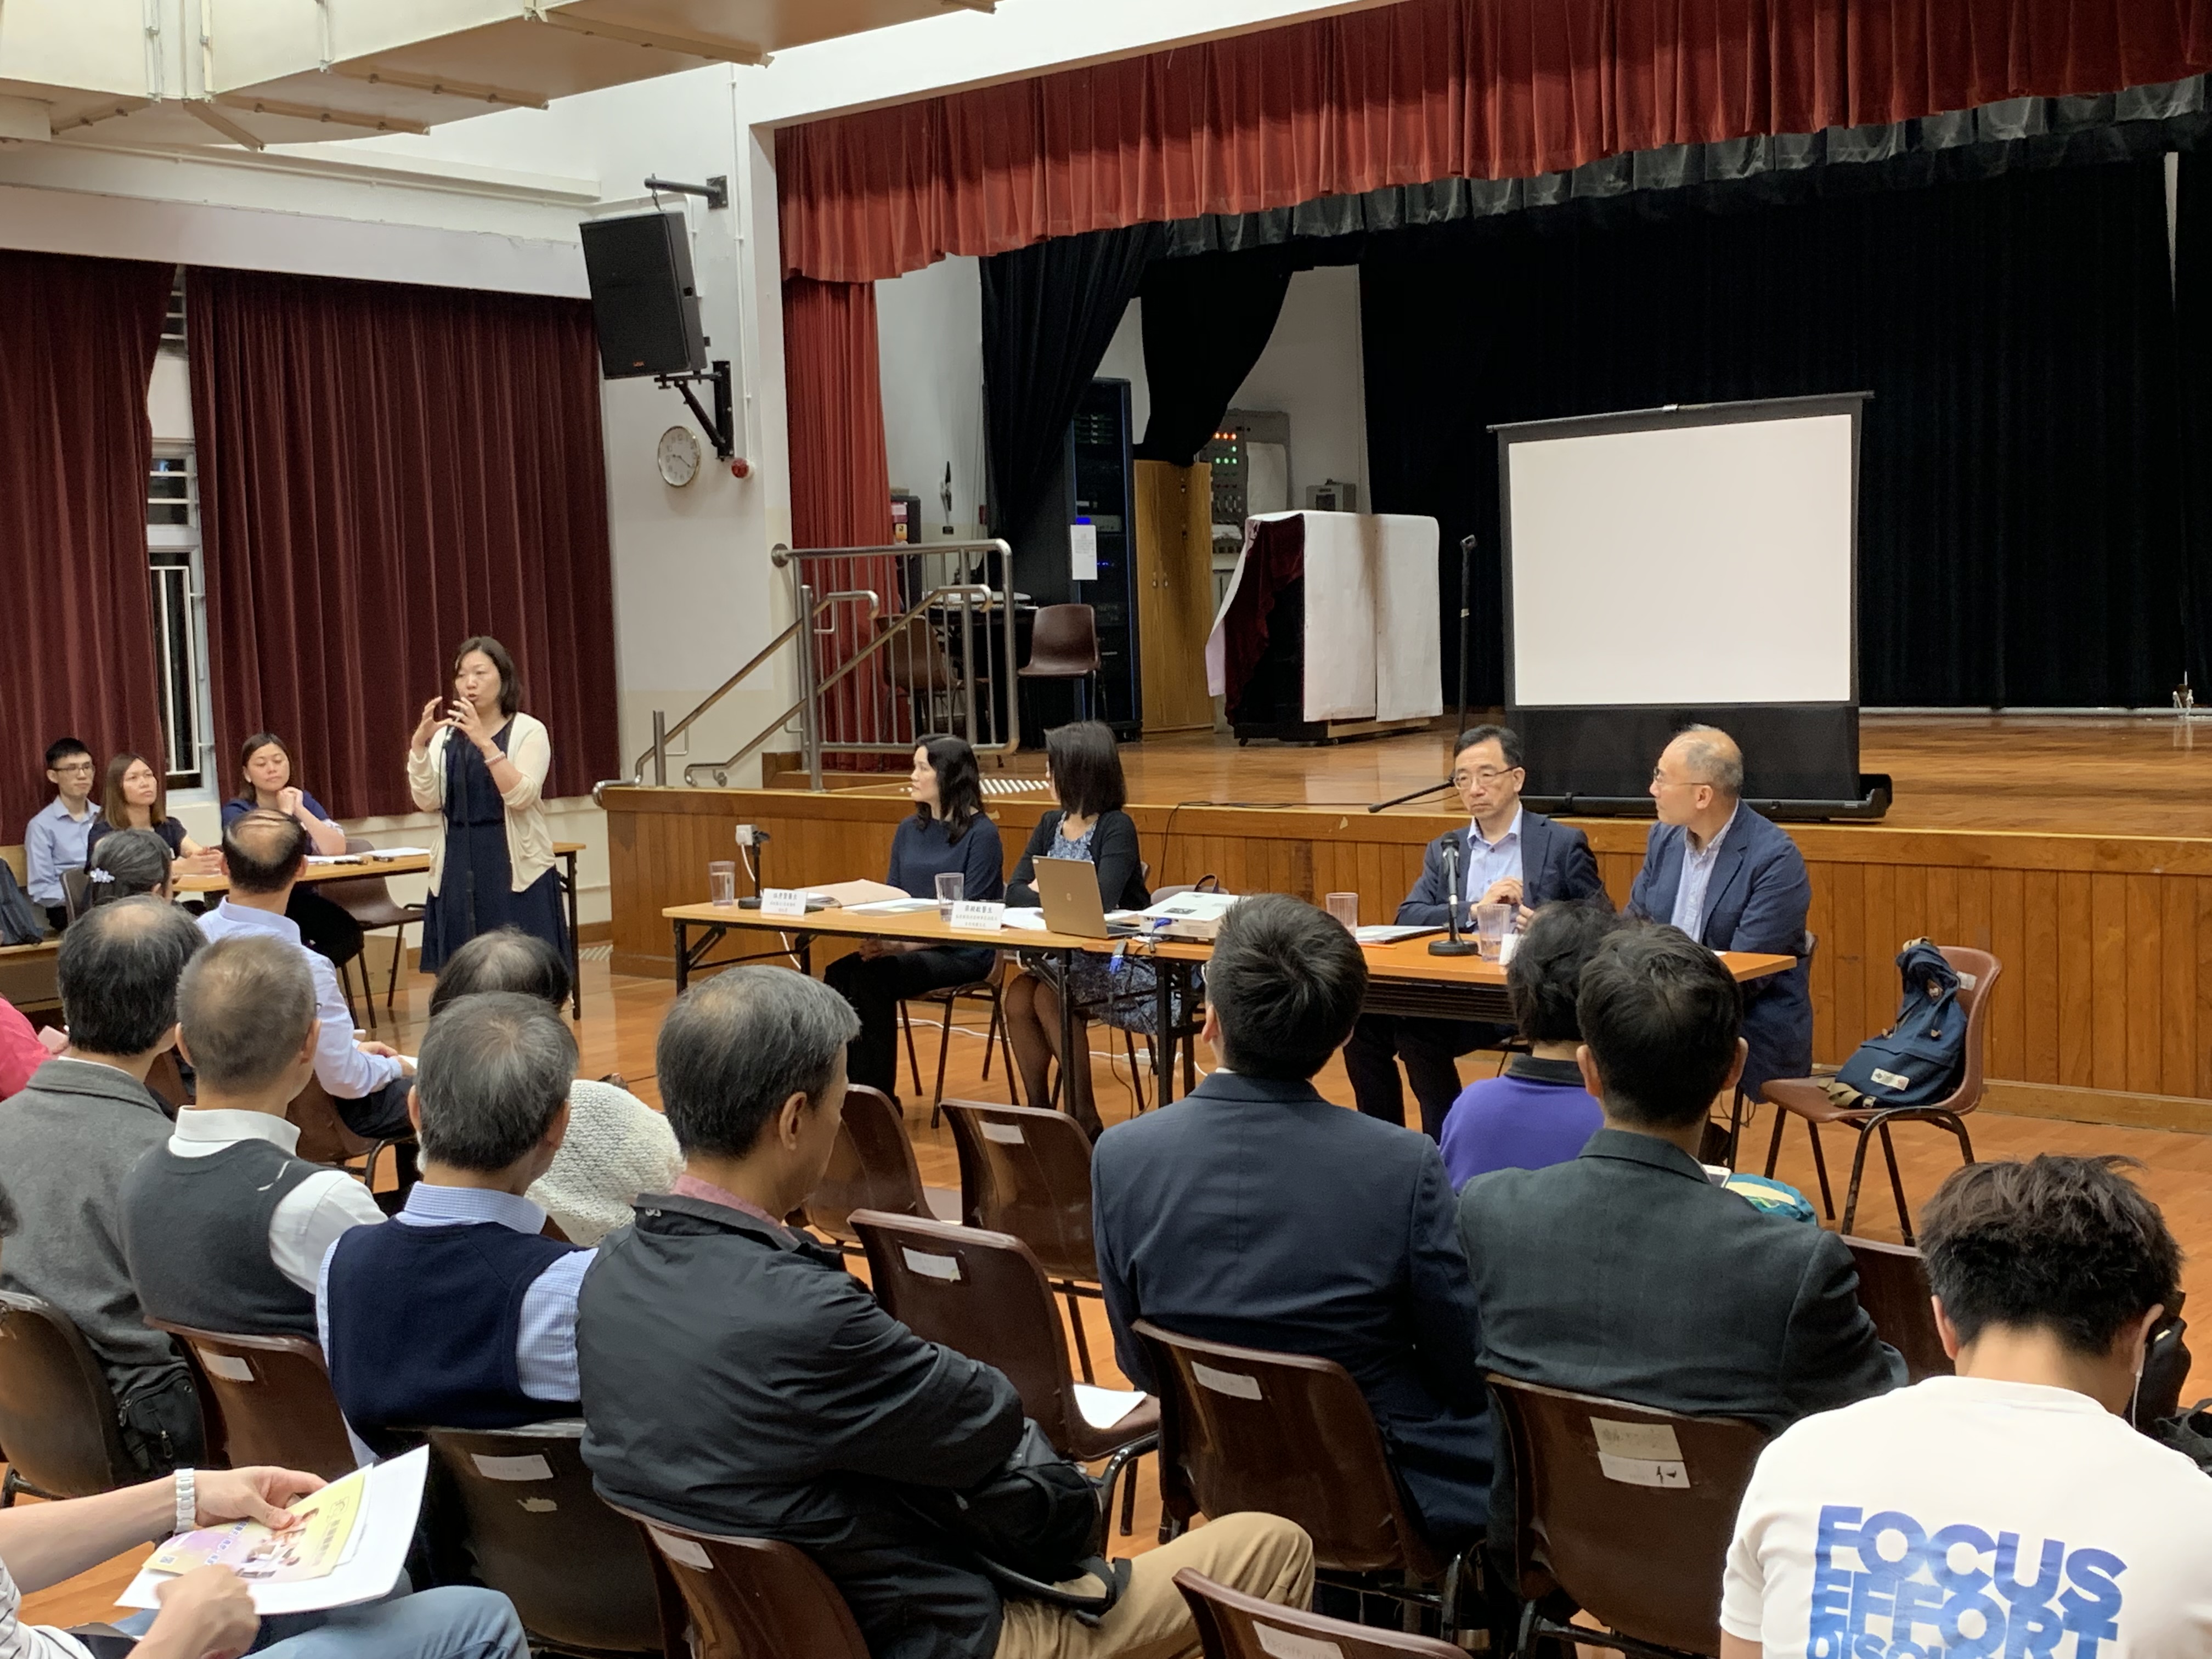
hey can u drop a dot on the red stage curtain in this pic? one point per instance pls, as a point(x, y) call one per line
point(1422, 90)
point(841, 491)
point(386, 469)
point(77, 338)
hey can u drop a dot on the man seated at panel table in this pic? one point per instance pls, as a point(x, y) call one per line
point(737, 1379)
point(1507, 854)
point(1253, 1212)
point(2009, 1507)
point(1732, 881)
point(55, 839)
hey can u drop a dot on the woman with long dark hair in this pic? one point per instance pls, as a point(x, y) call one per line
point(948, 832)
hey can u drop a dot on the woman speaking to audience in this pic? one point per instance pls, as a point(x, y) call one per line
point(268, 781)
point(477, 759)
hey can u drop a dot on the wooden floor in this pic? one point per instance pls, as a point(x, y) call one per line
point(622, 1017)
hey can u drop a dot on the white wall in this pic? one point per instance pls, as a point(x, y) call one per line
point(929, 326)
point(1311, 371)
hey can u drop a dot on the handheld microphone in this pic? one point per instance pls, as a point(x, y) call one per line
point(1454, 945)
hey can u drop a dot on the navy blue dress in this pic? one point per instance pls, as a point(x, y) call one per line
point(475, 890)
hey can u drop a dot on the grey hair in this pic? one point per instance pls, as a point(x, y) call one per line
point(1713, 759)
point(246, 1005)
point(732, 1050)
point(495, 1069)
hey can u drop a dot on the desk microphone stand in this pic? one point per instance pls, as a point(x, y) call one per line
point(1455, 945)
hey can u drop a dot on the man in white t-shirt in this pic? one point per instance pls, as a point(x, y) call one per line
point(2009, 1510)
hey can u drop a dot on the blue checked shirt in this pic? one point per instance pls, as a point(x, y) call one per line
point(1490, 862)
point(1696, 875)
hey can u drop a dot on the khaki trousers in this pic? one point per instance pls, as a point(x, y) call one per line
point(1262, 1555)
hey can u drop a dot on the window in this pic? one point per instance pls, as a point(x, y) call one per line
point(172, 557)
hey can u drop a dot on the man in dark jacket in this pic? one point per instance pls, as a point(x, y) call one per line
point(737, 1379)
point(1506, 854)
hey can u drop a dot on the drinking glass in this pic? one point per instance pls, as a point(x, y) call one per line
point(950, 884)
point(722, 882)
point(1345, 906)
point(1492, 922)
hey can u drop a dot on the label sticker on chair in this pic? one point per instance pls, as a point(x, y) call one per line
point(946, 1267)
point(538, 1505)
point(1639, 1453)
point(1290, 1644)
point(1006, 1134)
point(228, 1366)
point(1229, 1382)
point(529, 1467)
point(1966, 980)
point(683, 1550)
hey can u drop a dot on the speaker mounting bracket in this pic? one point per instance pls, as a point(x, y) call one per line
point(721, 427)
point(716, 190)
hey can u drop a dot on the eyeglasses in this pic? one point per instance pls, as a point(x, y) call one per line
point(85, 767)
point(1485, 778)
point(1661, 781)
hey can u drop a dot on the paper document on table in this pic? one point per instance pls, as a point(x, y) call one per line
point(334, 858)
point(897, 907)
point(383, 1502)
point(1102, 1408)
point(375, 852)
point(1028, 918)
point(848, 893)
point(1390, 933)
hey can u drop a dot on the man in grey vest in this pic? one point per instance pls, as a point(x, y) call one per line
point(224, 1226)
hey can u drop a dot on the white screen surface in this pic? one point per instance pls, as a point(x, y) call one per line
point(1685, 565)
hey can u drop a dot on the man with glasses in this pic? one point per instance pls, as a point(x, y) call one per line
point(1732, 881)
point(54, 841)
point(1506, 854)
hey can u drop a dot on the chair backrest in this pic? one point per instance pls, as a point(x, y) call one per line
point(76, 882)
point(982, 1294)
point(1982, 969)
point(1234, 1625)
point(1628, 1510)
point(1286, 1434)
point(1893, 1291)
point(753, 1598)
point(1064, 639)
point(56, 1415)
point(271, 1396)
point(872, 1167)
point(1027, 1171)
point(17, 858)
point(324, 1137)
point(166, 1079)
point(351, 893)
point(578, 1575)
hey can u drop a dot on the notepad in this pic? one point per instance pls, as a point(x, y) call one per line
point(1102, 1408)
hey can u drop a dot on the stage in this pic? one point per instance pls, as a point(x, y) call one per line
point(2077, 848)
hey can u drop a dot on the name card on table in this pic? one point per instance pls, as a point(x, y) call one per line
point(978, 916)
point(783, 901)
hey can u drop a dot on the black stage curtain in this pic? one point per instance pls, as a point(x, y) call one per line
point(2023, 533)
point(1206, 321)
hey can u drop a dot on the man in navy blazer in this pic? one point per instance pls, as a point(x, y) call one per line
point(1505, 854)
point(1731, 880)
point(1253, 1211)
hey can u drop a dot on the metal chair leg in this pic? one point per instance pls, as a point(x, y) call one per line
point(399, 956)
point(1820, 1168)
point(1774, 1146)
point(1896, 1185)
point(944, 1049)
point(1858, 1170)
point(1082, 1342)
point(914, 1066)
point(990, 1035)
point(1136, 1080)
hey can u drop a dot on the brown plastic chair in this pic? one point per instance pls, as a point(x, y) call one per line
point(57, 1413)
point(1234, 1625)
point(1027, 1171)
point(166, 1078)
point(1064, 646)
point(1807, 1098)
point(1627, 1510)
point(871, 1167)
point(1893, 1291)
point(368, 901)
point(983, 1294)
point(326, 1138)
point(1290, 1435)
point(580, 1576)
point(74, 883)
point(265, 1400)
point(751, 1598)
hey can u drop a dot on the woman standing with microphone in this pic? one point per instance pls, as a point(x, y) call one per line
point(477, 759)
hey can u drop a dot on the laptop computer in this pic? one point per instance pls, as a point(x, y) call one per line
point(1068, 892)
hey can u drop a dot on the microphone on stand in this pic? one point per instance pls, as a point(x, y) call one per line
point(1455, 945)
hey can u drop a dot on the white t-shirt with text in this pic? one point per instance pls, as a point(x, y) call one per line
point(1972, 1519)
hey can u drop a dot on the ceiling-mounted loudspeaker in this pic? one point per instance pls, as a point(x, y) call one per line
point(644, 303)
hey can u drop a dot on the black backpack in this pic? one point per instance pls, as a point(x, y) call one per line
point(19, 921)
point(1920, 1059)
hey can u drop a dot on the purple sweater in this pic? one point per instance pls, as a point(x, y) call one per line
point(1537, 1114)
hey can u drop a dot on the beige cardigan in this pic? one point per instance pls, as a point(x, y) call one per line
point(529, 838)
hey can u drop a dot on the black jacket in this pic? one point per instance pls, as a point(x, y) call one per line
point(1113, 849)
point(737, 1379)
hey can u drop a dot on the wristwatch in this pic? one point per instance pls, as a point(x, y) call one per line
point(188, 1503)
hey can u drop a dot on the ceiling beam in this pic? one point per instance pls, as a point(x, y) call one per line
point(315, 112)
point(200, 109)
point(376, 75)
point(972, 5)
point(725, 51)
point(76, 121)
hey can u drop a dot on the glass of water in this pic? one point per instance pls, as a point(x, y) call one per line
point(1492, 922)
point(1345, 906)
point(950, 884)
point(722, 882)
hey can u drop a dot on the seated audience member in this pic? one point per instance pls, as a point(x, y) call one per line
point(225, 1227)
point(20, 1051)
point(1536, 1111)
point(267, 781)
point(2008, 1508)
point(133, 796)
point(737, 1379)
point(55, 839)
point(617, 1145)
point(210, 1610)
point(1732, 880)
point(1253, 1212)
point(948, 834)
point(1507, 855)
point(264, 854)
point(462, 1314)
point(1625, 1272)
point(69, 1139)
point(125, 864)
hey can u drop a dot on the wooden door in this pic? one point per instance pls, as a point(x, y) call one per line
point(1175, 593)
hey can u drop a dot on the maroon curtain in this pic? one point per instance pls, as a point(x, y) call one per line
point(77, 338)
point(1422, 90)
point(385, 471)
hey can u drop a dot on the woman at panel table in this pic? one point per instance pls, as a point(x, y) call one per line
point(477, 759)
point(948, 833)
point(266, 772)
point(133, 797)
